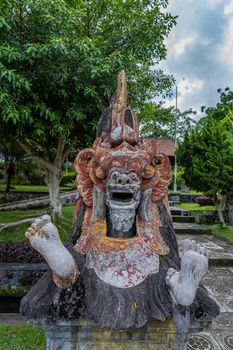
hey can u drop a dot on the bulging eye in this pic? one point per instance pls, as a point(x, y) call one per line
point(115, 175)
point(156, 161)
point(134, 177)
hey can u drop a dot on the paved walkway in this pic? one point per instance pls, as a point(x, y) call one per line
point(219, 283)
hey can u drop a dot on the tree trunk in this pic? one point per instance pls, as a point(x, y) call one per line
point(5, 169)
point(229, 205)
point(230, 213)
point(54, 172)
point(10, 174)
point(219, 205)
point(53, 180)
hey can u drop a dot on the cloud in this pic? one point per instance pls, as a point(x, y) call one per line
point(228, 9)
point(185, 89)
point(214, 3)
point(180, 47)
point(200, 49)
point(226, 50)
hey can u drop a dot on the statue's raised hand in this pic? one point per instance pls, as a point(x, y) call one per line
point(194, 264)
point(44, 238)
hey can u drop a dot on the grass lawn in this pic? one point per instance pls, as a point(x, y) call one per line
point(226, 232)
point(196, 206)
point(16, 234)
point(31, 188)
point(190, 192)
point(21, 337)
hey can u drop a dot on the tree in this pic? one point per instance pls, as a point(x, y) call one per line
point(59, 63)
point(207, 157)
point(10, 153)
point(221, 109)
point(223, 112)
point(160, 121)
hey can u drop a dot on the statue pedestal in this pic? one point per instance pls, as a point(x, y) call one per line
point(86, 335)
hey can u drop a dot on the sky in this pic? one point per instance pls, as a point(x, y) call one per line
point(200, 51)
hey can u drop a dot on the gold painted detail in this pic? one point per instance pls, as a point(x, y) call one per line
point(95, 236)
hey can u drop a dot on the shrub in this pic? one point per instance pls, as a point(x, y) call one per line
point(68, 179)
point(204, 200)
point(19, 253)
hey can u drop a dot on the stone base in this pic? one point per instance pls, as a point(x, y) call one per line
point(85, 335)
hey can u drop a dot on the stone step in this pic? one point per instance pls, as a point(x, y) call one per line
point(181, 218)
point(23, 267)
point(12, 318)
point(176, 212)
point(66, 197)
point(190, 229)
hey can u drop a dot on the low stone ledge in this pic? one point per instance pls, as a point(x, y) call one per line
point(86, 335)
point(23, 267)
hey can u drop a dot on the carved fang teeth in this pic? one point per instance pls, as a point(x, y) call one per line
point(144, 208)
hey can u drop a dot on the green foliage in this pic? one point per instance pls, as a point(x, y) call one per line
point(59, 64)
point(29, 172)
point(32, 188)
point(60, 59)
point(196, 206)
point(16, 233)
point(179, 178)
point(207, 156)
point(17, 215)
point(222, 108)
point(159, 121)
point(13, 291)
point(11, 154)
point(21, 337)
point(226, 232)
point(65, 223)
point(68, 179)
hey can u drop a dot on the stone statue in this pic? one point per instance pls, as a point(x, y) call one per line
point(121, 266)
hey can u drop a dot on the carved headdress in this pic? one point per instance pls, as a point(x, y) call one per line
point(119, 151)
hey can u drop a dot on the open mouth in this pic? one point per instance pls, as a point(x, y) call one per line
point(122, 197)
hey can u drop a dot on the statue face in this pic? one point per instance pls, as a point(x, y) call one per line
point(122, 198)
point(119, 185)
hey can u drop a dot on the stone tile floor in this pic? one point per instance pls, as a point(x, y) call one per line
point(219, 283)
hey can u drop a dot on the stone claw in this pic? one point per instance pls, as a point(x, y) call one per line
point(41, 229)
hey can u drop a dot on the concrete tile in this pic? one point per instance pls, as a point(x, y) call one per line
point(204, 341)
point(225, 339)
point(223, 322)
